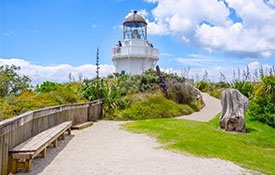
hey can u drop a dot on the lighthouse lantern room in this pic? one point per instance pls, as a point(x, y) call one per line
point(135, 54)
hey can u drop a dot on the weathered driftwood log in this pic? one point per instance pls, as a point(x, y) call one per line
point(234, 105)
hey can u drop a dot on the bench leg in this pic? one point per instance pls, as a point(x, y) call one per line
point(69, 131)
point(55, 143)
point(43, 153)
point(28, 164)
point(13, 166)
point(63, 136)
point(21, 160)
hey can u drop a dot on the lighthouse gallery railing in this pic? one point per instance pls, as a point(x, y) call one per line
point(135, 51)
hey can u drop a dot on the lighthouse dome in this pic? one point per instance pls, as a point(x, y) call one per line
point(134, 20)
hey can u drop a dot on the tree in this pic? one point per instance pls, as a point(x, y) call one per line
point(10, 82)
point(97, 63)
point(47, 86)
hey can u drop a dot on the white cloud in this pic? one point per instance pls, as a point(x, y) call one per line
point(165, 54)
point(199, 64)
point(193, 60)
point(214, 71)
point(151, 1)
point(7, 33)
point(271, 3)
point(94, 26)
point(57, 73)
point(141, 12)
point(60, 73)
point(236, 27)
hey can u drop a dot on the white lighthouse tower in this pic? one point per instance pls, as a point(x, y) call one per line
point(135, 54)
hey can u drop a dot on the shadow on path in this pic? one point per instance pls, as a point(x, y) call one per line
point(39, 164)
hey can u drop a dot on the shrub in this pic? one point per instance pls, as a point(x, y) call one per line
point(153, 106)
point(92, 89)
point(194, 107)
point(64, 95)
point(216, 93)
point(113, 100)
point(222, 85)
point(203, 86)
point(147, 82)
point(263, 110)
point(268, 87)
point(246, 88)
point(9, 107)
point(47, 86)
point(180, 92)
point(109, 90)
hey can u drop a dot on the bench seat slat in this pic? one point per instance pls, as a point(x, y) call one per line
point(35, 143)
point(42, 138)
point(29, 149)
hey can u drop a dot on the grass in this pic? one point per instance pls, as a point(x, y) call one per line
point(254, 150)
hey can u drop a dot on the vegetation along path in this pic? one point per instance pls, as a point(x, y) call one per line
point(106, 149)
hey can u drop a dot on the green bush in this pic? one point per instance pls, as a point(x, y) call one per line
point(147, 82)
point(47, 86)
point(113, 100)
point(27, 100)
point(246, 88)
point(9, 107)
point(92, 89)
point(202, 86)
point(180, 93)
point(153, 106)
point(263, 110)
point(222, 85)
point(194, 107)
point(268, 87)
point(64, 95)
point(216, 93)
point(262, 106)
point(109, 90)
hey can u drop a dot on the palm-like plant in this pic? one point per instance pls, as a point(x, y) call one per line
point(268, 87)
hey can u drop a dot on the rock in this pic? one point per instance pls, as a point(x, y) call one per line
point(234, 106)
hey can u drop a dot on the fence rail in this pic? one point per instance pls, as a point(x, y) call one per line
point(22, 127)
point(135, 51)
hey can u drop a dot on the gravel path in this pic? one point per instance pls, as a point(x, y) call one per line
point(105, 149)
point(211, 109)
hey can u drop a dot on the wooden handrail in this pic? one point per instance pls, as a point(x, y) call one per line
point(16, 130)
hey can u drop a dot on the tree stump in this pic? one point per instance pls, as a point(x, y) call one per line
point(234, 106)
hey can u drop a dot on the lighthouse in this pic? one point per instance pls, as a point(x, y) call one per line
point(134, 54)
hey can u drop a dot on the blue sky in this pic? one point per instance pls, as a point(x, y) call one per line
point(51, 38)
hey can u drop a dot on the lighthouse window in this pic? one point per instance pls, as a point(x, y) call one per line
point(135, 34)
point(134, 31)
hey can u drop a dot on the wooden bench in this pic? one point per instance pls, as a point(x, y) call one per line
point(22, 154)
